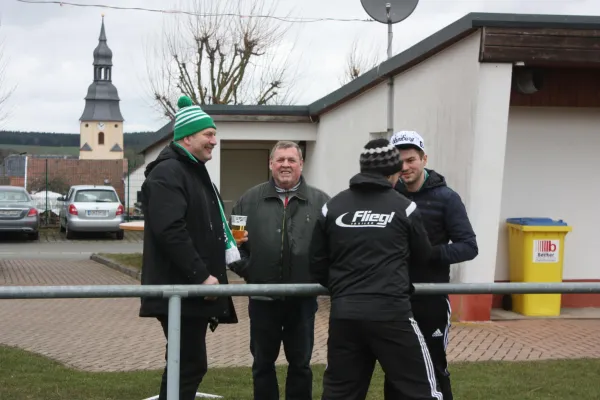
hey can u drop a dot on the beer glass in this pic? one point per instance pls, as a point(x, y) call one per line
point(238, 226)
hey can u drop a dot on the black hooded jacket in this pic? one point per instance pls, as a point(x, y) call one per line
point(361, 248)
point(445, 219)
point(184, 241)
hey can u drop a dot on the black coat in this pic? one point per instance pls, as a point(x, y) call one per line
point(362, 247)
point(445, 219)
point(184, 241)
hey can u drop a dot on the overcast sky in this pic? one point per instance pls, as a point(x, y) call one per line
point(48, 49)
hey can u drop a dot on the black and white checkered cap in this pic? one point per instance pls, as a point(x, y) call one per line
point(380, 157)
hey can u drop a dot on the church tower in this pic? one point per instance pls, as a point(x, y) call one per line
point(101, 124)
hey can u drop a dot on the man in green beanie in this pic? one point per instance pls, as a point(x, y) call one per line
point(186, 240)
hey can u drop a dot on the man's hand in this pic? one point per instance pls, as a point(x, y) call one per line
point(211, 280)
point(243, 239)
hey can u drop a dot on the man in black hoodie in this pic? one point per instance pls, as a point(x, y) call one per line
point(186, 240)
point(360, 251)
point(445, 219)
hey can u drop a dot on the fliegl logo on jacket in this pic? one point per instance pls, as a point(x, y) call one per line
point(364, 219)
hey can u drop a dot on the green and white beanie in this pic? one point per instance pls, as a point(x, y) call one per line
point(190, 119)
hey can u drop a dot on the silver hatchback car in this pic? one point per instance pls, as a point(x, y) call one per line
point(18, 213)
point(90, 208)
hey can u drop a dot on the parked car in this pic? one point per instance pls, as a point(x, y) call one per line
point(90, 208)
point(18, 213)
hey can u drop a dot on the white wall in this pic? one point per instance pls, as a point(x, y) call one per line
point(487, 169)
point(437, 98)
point(450, 99)
point(136, 178)
point(552, 157)
point(333, 158)
point(266, 131)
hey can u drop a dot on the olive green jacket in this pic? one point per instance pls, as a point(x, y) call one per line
point(278, 236)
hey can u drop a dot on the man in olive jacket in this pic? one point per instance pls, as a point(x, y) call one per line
point(186, 241)
point(281, 216)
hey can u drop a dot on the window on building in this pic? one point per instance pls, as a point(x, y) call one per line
point(101, 138)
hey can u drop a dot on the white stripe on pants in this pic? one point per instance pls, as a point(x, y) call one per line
point(428, 363)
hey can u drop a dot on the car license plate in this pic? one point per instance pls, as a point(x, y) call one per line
point(9, 213)
point(97, 213)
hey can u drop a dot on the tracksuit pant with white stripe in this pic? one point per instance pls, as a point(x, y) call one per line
point(353, 347)
point(432, 313)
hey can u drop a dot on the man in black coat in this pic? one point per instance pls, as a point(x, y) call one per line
point(445, 219)
point(186, 240)
point(361, 249)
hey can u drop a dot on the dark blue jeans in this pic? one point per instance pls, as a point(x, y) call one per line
point(291, 321)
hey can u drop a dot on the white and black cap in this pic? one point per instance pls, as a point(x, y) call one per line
point(408, 138)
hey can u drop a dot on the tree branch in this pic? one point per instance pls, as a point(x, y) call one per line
point(226, 56)
point(357, 63)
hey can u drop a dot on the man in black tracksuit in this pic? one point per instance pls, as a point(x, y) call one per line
point(360, 251)
point(445, 219)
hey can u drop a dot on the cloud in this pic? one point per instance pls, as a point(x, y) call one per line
point(49, 50)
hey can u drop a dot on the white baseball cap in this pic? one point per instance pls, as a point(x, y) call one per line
point(401, 138)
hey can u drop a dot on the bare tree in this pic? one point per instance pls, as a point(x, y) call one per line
point(215, 57)
point(358, 62)
point(5, 88)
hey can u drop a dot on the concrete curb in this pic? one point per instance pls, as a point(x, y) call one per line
point(134, 273)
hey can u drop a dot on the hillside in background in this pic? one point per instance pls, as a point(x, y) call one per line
point(47, 143)
point(131, 139)
point(38, 150)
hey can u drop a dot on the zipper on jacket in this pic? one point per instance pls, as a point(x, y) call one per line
point(207, 212)
point(282, 242)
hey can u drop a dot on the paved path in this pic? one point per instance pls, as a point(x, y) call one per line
point(53, 245)
point(52, 235)
point(107, 334)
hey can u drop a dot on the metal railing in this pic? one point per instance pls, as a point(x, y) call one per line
point(175, 293)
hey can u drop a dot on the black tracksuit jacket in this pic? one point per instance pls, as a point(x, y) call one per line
point(361, 248)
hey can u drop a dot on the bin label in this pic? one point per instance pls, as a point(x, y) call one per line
point(546, 251)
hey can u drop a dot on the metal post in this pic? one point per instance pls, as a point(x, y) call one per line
point(173, 347)
point(390, 108)
point(46, 210)
point(25, 178)
point(128, 188)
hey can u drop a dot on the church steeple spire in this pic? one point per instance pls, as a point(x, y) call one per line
point(102, 58)
point(101, 124)
point(102, 100)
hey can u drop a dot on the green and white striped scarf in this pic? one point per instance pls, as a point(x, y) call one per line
point(232, 254)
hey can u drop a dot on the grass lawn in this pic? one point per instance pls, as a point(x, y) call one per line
point(25, 375)
point(133, 260)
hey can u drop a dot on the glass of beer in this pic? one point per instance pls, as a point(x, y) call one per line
point(238, 226)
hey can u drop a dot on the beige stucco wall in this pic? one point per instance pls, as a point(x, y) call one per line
point(113, 134)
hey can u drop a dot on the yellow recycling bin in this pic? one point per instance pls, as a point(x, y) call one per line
point(536, 252)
